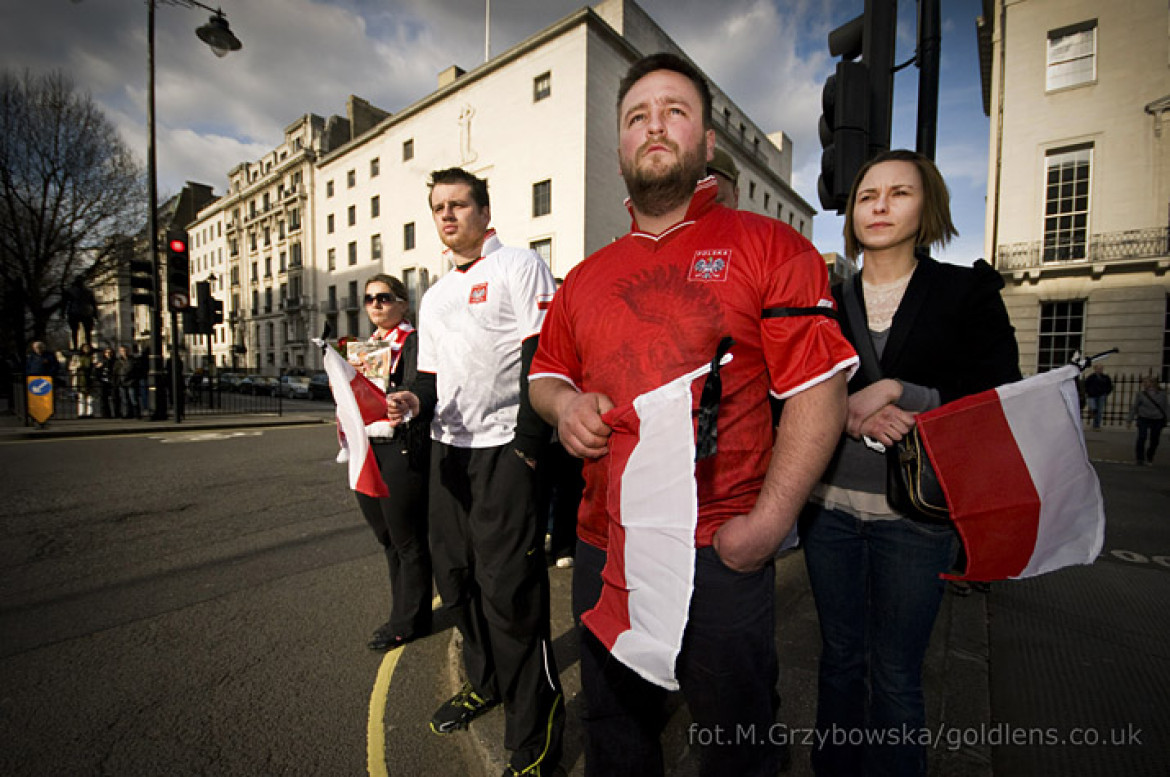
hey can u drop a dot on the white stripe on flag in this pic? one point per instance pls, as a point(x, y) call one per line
point(1044, 415)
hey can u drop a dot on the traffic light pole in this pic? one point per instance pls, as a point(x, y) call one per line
point(929, 43)
point(156, 338)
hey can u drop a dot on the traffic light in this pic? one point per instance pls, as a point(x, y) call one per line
point(856, 127)
point(203, 308)
point(141, 282)
point(178, 270)
point(844, 132)
point(216, 312)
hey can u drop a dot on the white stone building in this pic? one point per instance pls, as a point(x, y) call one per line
point(1079, 176)
point(537, 121)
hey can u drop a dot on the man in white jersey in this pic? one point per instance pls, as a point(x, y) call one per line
point(478, 329)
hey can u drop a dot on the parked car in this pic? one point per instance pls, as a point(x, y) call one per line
point(295, 387)
point(319, 386)
point(229, 381)
point(260, 385)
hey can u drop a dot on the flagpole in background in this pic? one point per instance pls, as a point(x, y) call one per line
point(487, 30)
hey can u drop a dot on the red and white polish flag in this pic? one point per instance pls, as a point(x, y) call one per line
point(653, 507)
point(359, 402)
point(1013, 464)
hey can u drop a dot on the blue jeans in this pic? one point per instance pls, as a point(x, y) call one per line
point(877, 591)
point(1096, 409)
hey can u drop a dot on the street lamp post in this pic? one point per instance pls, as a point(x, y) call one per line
point(219, 37)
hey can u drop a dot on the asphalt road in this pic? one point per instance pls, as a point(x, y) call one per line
point(182, 604)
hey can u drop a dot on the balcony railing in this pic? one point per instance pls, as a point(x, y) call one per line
point(1101, 247)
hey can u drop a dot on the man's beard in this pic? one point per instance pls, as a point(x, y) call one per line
point(657, 192)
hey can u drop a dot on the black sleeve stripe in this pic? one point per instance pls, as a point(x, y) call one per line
point(792, 312)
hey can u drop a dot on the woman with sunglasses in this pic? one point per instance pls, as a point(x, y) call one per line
point(927, 333)
point(399, 521)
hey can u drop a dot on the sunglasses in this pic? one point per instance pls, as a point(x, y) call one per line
point(384, 297)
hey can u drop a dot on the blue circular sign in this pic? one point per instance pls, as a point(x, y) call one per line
point(40, 387)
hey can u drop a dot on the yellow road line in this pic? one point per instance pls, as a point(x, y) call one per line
point(376, 728)
point(376, 725)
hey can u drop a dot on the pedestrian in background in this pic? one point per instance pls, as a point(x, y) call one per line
point(399, 521)
point(124, 384)
point(81, 372)
point(1098, 386)
point(927, 333)
point(103, 378)
point(1150, 411)
point(41, 361)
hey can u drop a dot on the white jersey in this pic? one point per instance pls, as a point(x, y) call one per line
point(471, 325)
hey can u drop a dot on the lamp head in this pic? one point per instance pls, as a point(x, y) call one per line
point(218, 35)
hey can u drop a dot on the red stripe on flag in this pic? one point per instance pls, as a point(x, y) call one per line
point(611, 615)
point(994, 503)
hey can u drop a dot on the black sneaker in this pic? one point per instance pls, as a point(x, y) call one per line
point(462, 708)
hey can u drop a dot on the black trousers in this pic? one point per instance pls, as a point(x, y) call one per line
point(399, 522)
point(558, 490)
point(727, 670)
point(487, 548)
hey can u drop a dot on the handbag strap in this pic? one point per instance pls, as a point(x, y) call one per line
point(870, 364)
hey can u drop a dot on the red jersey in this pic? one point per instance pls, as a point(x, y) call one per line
point(649, 308)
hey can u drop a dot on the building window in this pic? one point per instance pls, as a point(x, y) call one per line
point(1062, 328)
point(416, 279)
point(376, 248)
point(329, 188)
point(751, 190)
point(294, 220)
point(351, 321)
point(1066, 203)
point(541, 87)
point(295, 256)
point(375, 206)
point(351, 215)
point(332, 258)
point(268, 300)
point(1072, 55)
point(329, 223)
point(542, 198)
point(351, 179)
point(767, 200)
point(283, 261)
point(268, 267)
point(375, 167)
point(408, 236)
point(408, 150)
point(353, 253)
point(543, 248)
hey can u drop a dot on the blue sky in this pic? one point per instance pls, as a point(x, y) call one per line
point(306, 56)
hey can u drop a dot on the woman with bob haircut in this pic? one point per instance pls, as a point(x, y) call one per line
point(399, 521)
point(927, 333)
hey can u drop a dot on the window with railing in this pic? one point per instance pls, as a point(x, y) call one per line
point(1062, 331)
point(1066, 203)
point(541, 86)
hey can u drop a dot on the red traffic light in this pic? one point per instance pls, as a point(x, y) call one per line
point(178, 246)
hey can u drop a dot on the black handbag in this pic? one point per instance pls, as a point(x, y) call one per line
point(912, 486)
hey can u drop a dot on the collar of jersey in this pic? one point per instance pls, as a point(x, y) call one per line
point(491, 243)
point(702, 201)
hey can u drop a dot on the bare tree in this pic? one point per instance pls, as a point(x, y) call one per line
point(71, 197)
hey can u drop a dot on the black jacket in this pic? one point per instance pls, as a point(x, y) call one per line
point(951, 331)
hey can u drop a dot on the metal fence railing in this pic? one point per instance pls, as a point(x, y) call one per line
point(228, 394)
point(1119, 401)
